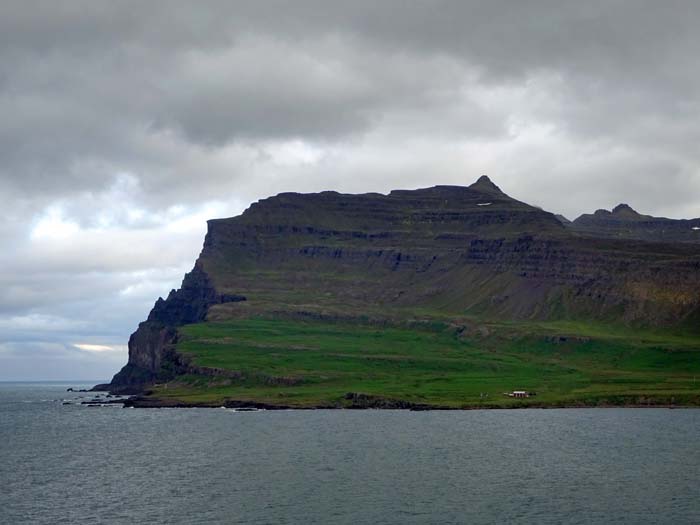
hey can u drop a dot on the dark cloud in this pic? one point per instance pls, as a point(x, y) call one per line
point(126, 124)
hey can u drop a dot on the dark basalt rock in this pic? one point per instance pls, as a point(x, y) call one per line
point(190, 303)
point(152, 353)
point(363, 401)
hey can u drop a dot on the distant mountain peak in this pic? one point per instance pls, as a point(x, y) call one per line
point(485, 184)
point(624, 209)
point(623, 222)
point(621, 211)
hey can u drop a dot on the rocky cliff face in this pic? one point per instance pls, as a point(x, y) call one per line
point(447, 249)
point(152, 353)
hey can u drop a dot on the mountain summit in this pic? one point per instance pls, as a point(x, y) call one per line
point(625, 209)
point(485, 185)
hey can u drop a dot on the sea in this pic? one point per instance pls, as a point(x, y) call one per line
point(71, 463)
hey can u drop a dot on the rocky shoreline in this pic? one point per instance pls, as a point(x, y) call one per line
point(358, 401)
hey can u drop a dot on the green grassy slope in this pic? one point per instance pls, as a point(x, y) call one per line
point(304, 363)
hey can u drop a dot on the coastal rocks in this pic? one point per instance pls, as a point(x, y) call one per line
point(362, 401)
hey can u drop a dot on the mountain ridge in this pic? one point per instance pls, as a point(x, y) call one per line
point(624, 222)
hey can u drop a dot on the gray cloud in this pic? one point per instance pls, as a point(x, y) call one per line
point(125, 125)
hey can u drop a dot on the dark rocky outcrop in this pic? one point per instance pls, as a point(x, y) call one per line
point(152, 354)
point(356, 400)
point(191, 302)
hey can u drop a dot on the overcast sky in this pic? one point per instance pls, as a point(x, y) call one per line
point(125, 125)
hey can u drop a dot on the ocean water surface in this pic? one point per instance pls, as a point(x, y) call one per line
point(76, 464)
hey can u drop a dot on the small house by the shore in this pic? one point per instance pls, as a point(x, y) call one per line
point(519, 393)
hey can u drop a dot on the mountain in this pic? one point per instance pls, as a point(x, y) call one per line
point(625, 223)
point(563, 220)
point(439, 253)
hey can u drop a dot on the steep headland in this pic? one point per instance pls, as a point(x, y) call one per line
point(480, 265)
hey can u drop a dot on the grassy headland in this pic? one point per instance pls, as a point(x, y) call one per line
point(455, 364)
